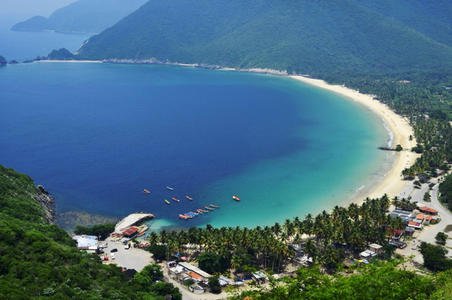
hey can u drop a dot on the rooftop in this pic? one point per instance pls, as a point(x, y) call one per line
point(197, 270)
point(86, 242)
point(131, 220)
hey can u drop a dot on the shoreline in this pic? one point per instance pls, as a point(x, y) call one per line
point(399, 130)
point(398, 127)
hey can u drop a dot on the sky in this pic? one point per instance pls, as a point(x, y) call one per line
point(31, 7)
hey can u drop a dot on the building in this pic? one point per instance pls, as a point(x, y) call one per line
point(86, 242)
point(367, 254)
point(406, 216)
point(428, 210)
point(376, 248)
point(415, 224)
point(194, 272)
point(130, 232)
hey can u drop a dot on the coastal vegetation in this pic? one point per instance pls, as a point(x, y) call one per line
point(435, 257)
point(38, 259)
point(100, 230)
point(328, 238)
point(384, 280)
point(445, 189)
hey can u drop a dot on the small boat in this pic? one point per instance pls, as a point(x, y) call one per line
point(209, 208)
point(146, 191)
point(167, 202)
point(214, 206)
point(184, 217)
point(169, 188)
point(189, 197)
point(175, 199)
point(236, 198)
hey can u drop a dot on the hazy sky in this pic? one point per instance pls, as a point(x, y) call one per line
point(31, 7)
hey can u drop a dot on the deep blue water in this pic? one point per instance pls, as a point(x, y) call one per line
point(96, 135)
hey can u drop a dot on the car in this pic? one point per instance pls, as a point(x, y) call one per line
point(127, 247)
point(113, 256)
point(114, 250)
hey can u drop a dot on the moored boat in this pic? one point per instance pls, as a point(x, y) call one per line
point(167, 202)
point(146, 191)
point(175, 199)
point(236, 198)
point(169, 188)
point(189, 197)
point(184, 217)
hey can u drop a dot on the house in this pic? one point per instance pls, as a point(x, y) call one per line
point(428, 210)
point(86, 242)
point(409, 230)
point(406, 216)
point(376, 248)
point(194, 272)
point(415, 224)
point(224, 281)
point(259, 277)
point(367, 254)
point(397, 234)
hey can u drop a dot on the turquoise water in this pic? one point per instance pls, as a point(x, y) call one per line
point(96, 135)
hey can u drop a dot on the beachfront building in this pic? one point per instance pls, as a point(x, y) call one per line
point(405, 215)
point(89, 243)
point(416, 224)
point(428, 210)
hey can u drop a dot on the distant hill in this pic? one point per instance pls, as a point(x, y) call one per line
point(305, 36)
point(82, 16)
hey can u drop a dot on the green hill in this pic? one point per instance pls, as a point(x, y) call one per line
point(40, 260)
point(82, 16)
point(313, 37)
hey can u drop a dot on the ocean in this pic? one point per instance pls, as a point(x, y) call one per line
point(95, 135)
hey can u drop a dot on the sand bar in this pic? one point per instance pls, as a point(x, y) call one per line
point(392, 182)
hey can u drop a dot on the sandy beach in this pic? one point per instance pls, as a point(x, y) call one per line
point(391, 183)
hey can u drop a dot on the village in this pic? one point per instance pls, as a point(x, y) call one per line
point(423, 217)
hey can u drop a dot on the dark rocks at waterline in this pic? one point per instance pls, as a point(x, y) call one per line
point(3, 61)
point(61, 54)
point(47, 202)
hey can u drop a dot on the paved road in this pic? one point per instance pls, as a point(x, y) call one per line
point(133, 258)
point(429, 233)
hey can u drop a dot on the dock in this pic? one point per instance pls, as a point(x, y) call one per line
point(131, 220)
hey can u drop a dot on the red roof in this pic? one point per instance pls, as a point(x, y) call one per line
point(195, 276)
point(428, 210)
point(414, 224)
point(130, 231)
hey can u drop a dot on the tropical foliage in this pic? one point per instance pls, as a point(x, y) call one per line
point(331, 237)
point(38, 259)
point(375, 281)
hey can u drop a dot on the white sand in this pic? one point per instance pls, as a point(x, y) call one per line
point(391, 183)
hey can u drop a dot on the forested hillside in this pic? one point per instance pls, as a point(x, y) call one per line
point(38, 259)
point(313, 37)
point(82, 16)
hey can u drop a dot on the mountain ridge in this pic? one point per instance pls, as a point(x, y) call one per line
point(82, 16)
point(304, 37)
